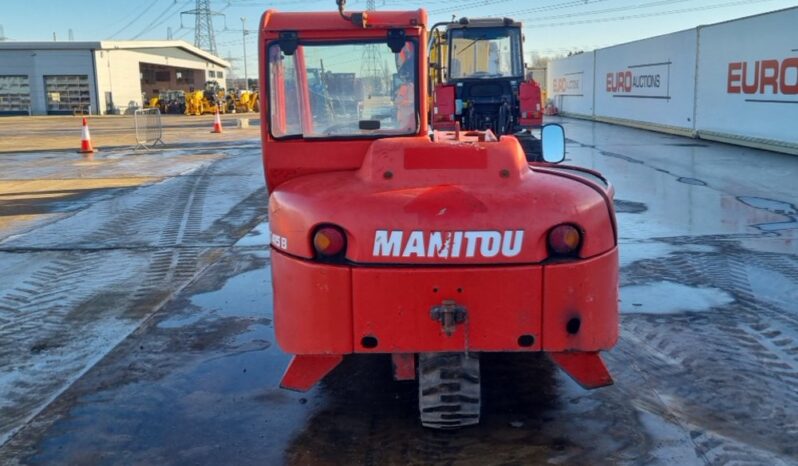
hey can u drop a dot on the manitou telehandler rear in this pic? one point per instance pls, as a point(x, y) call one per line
point(433, 247)
point(477, 80)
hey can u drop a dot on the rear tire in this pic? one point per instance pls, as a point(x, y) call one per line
point(448, 390)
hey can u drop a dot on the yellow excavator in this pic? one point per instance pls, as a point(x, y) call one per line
point(168, 102)
point(241, 101)
point(206, 101)
point(248, 101)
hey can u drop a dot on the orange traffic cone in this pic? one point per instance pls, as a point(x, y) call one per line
point(85, 139)
point(217, 123)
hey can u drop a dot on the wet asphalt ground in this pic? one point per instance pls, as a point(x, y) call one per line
point(135, 325)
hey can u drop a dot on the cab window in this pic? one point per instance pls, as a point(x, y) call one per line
point(343, 90)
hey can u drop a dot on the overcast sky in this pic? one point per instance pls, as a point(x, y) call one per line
point(552, 27)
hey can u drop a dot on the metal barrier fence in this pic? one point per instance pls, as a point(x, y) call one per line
point(149, 129)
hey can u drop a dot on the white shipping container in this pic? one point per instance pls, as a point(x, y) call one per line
point(570, 84)
point(649, 82)
point(748, 79)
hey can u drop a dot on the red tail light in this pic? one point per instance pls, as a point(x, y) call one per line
point(329, 241)
point(564, 239)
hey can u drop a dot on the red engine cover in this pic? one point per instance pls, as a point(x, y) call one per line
point(415, 201)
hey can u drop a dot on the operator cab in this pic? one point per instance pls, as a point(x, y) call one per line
point(341, 83)
point(490, 51)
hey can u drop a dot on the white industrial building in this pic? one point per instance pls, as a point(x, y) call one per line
point(104, 77)
point(735, 82)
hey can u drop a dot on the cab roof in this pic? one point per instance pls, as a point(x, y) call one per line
point(483, 23)
point(274, 20)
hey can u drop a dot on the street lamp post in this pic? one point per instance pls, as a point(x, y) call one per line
point(244, 32)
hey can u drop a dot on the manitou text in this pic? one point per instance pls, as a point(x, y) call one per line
point(446, 244)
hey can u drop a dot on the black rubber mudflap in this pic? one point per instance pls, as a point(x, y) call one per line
point(448, 390)
point(531, 146)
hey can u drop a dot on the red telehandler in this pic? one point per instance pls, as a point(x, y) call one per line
point(430, 246)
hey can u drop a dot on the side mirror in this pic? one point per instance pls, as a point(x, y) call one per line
point(552, 143)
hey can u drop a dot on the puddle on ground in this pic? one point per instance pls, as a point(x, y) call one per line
point(670, 298)
point(258, 236)
point(777, 226)
point(772, 205)
point(242, 296)
point(691, 181)
point(629, 207)
point(775, 206)
point(247, 295)
point(182, 320)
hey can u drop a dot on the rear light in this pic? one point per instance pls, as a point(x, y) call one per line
point(564, 239)
point(329, 241)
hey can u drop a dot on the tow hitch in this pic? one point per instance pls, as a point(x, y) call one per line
point(449, 314)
